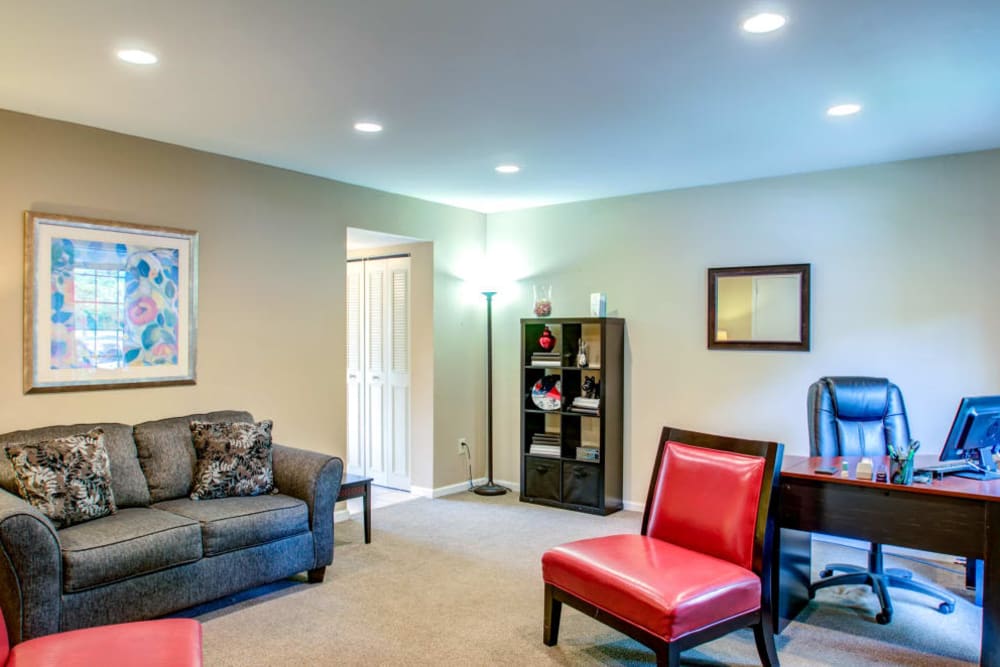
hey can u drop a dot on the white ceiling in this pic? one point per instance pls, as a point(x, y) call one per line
point(592, 98)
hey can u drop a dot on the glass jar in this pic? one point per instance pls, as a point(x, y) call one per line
point(543, 300)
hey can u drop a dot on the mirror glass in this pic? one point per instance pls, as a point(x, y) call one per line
point(763, 307)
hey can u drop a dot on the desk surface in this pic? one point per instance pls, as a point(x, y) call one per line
point(804, 467)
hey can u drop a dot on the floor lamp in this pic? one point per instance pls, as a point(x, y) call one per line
point(490, 488)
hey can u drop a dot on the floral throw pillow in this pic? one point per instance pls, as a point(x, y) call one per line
point(234, 459)
point(66, 479)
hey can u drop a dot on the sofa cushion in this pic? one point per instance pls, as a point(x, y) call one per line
point(66, 479)
point(166, 452)
point(234, 459)
point(127, 481)
point(235, 523)
point(133, 542)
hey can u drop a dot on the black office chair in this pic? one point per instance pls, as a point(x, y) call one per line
point(859, 416)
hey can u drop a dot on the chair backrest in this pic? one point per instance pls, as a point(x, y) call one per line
point(712, 494)
point(856, 416)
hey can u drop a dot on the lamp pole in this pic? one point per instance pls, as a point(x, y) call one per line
point(490, 488)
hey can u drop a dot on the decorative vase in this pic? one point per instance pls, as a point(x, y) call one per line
point(581, 355)
point(547, 341)
point(543, 300)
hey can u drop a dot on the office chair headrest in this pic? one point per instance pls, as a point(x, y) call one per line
point(859, 398)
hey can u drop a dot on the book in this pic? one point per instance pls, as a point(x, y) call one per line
point(545, 450)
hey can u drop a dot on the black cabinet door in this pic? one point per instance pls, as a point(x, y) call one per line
point(581, 484)
point(541, 478)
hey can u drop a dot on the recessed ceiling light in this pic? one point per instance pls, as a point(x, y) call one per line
point(507, 169)
point(367, 126)
point(137, 56)
point(765, 22)
point(843, 110)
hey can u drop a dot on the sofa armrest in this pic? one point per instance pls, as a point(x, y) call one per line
point(30, 570)
point(314, 478)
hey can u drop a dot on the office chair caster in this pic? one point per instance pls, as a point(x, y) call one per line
point(825, 574)
point(883, 618)
point(946, 607)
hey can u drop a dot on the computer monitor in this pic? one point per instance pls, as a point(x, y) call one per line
point(974, 435)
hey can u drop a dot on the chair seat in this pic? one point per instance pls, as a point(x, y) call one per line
point(668, 590)
point(174, 642)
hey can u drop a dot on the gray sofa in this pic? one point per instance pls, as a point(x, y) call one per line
point(161, 552)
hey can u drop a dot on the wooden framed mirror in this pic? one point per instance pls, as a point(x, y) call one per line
point(759, 308)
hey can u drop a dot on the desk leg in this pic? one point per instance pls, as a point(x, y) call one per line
point(367, 501)
point(794, 570)
point(991, 588)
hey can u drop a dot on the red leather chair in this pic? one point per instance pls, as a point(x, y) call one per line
point(169, 642)
point(700, 567)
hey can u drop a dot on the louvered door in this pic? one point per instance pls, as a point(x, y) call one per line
point(396, 412)
point(378, 374)
point(355, 369)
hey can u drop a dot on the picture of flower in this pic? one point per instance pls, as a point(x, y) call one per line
point(120, 303)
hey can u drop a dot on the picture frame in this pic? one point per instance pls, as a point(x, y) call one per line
point(108, 304)
point(759, 308)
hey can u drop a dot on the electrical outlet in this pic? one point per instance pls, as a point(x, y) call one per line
point(462, 445)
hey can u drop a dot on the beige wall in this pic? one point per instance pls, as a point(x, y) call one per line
point(905, 284)
point(271, 324)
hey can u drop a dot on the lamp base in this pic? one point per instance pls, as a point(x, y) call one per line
point(489, 489)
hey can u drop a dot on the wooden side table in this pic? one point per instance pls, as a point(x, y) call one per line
point(353, 486)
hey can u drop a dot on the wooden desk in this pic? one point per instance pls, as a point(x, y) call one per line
point(952, 515)
point(353, 486)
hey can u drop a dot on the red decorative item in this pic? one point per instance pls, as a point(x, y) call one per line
point(547, 341)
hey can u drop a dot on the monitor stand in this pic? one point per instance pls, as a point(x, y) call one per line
point(983, 460)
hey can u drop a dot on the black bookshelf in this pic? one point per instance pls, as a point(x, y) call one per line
point(573, 479)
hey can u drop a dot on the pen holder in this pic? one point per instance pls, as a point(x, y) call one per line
point(901, 471)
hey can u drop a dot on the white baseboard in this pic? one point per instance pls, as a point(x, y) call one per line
point(842, 541)
point(633, 506)
point(341, 515)
point(437, 492)
point(458, 488)
point(513, 486)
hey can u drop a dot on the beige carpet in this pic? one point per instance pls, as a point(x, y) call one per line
point(457, 581)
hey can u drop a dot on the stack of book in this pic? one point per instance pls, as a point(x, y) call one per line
point(586, 406)
point(587, 453)
point(545, 359)
point(545, 444)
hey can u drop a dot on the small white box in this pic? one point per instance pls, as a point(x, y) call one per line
point(598, 305)
point(864, 469)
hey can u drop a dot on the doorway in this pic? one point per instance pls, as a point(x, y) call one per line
point(379, 369)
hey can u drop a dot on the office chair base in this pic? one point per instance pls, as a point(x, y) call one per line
point(880, 584)
point(830, 569)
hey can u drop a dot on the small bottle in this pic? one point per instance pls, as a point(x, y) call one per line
point(844, 470)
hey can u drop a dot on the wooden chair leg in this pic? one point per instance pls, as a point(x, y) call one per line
point(668, 656)
point(764, 637)
point(316, 576)
point(553, 611)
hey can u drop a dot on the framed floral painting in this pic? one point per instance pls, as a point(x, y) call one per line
point(107, 304)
